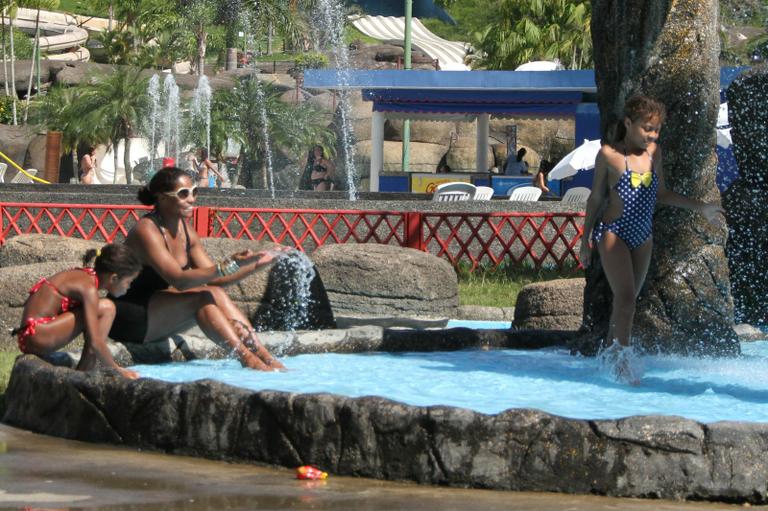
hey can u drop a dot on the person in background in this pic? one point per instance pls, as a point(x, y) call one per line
point(323, 170)
point(206, 171)
point(61, 307)
point(517, 166)
point(88, 166)
point(540, 179)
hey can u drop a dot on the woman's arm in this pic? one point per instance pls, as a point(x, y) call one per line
point(594, 206)
point(667, 197)
point(89, 297)
point(213, 169)
point(249, 261)
point(87, 163)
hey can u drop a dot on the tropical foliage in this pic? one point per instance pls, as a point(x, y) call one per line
point(107, 109)
point(529, 30)
point(238, 114)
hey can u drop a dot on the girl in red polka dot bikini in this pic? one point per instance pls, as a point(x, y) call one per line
point(628, 182)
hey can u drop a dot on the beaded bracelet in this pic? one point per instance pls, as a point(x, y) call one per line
point(227, 267)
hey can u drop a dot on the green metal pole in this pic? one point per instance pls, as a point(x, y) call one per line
point(407, 122)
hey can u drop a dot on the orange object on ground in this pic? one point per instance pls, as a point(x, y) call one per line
point(310, 472)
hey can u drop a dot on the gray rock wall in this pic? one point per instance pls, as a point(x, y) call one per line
point(744, 200)
point(519, 449)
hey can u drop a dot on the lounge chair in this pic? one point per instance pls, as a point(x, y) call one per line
point(454, 191)
point(576, 194)
point(483, 193)
point(20, 177)
point(525, 194)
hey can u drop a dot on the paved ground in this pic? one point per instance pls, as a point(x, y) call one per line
point(39, 472)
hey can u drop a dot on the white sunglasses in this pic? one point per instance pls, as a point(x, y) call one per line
point(183, 193)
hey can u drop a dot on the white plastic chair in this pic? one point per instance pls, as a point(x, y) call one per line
point(449, 190)
point(525, 194)
point(452, 196)
point(576, 194)
point(483, 193)
point(20, 177)
point(3, 168)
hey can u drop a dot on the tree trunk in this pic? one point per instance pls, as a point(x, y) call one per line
point(111, 15)
point(75, 164)
point(35, 56)
point(669, 50)
point(14, 95)
point(201, 53)
point(127, 160)
point(115, 159)
point(5, 57)
point(270, 36)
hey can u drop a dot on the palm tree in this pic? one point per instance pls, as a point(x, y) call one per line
point(237, 114)
point(116, 104)
point(62, 109)
point(537, 29)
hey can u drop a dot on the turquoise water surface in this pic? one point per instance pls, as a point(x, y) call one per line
point(703, 389)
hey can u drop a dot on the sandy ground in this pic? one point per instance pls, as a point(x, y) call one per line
point(40, 472)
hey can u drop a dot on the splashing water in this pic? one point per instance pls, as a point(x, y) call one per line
point(153, 91)
point(201, 108)
point(265, 133)
point(331, 17)
point(621, 363)
point(300, 269)
point(172, 125)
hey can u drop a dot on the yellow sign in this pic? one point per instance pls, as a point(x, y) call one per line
point(426, 183)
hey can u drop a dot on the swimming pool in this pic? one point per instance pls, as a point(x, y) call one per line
point(552, 380)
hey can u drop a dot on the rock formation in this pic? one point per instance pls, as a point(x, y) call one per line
point(744, 200)
point(669, 50)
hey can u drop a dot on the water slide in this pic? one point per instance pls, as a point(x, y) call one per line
point(450, 54)
point(61, 37)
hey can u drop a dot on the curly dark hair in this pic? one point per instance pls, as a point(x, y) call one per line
point(113, 258)
point(164, 180)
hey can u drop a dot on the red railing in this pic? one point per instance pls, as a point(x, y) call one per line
point(470, 239)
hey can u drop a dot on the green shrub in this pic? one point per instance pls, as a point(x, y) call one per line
point(311, 60)
point(6, 109)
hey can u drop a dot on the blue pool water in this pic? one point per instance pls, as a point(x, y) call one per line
point(706, 390)
point(471, 323)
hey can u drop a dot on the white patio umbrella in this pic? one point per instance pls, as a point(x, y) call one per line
point(724, 137)
point(722, 115)
point(723, 127)
point(581, 158)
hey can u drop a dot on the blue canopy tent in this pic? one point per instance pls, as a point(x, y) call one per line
point(476, 95)
point(450, 95)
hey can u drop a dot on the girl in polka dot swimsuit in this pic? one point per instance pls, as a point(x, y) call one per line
point(628, 182)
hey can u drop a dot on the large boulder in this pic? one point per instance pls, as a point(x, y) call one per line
point(14, 141)
point(744, 201)
point(430, 132)
point(669, 50)
point(424, 157)
point(551, 305)
point(384, 284)
point(38, 248)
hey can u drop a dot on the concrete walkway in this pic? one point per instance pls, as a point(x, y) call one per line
point(44, 472)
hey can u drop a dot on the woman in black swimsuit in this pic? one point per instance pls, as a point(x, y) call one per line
point(179, 284)
point(322, 170)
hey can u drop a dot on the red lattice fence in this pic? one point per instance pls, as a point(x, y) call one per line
point(471, 239)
